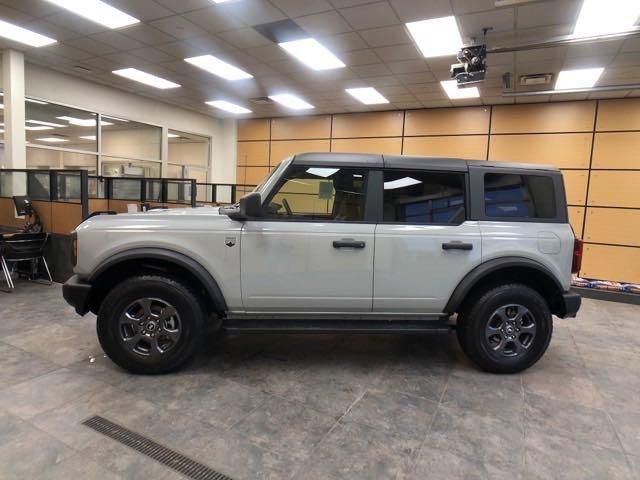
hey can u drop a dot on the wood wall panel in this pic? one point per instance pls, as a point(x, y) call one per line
point(120, 206)
point(8, 214)
point(619, 114)
point(43, 208)
point(282, 149)
point(447, 121)
point(619, 264)
point(374, 124)
point(65, 217)
point(389, 146)
point(618, 150)
point(544, 117)
point(97, 204)
point(296, 128)
point(253, 129)
point(614, 189)
point(567, 150)
point(255, 175)
point(575, 184)
point(473, 147)
point(241, 175)
point(613, 225)
point(253, 153)
point(576, 219)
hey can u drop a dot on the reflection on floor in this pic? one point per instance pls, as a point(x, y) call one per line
point(308, 407)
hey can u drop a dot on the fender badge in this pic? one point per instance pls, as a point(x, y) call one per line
point(230, 241)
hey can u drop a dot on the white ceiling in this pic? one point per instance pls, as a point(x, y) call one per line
point(369, 36)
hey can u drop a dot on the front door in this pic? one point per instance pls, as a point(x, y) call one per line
point(311, 251)
point(424, 245)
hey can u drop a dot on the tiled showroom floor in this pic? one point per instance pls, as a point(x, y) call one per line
point(307, 407)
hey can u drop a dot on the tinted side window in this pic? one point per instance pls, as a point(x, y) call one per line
point(519, 196)
point(423, 197)
point(319, 193)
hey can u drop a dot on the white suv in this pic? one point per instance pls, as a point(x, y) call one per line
point(340, 242)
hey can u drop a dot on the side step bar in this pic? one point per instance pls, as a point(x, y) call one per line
point(334, 326)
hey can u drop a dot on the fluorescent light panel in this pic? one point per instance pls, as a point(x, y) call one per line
point(38, 128)
point(599, 17)
point(367, 95)
point(48, 124)
point(88, 137)
point(218, 67)
point(228, 106)
point(146, 78)
point(400, 183)
point(322, 172)
point(581, 78)
point(172, 135)
point(312, 53)
point(455, 93)
point(22, 35)
point(436, 37)
point(291, 101)
point(52, 139)
point(97, 11)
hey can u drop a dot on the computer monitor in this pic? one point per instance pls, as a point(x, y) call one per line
point(23, 205)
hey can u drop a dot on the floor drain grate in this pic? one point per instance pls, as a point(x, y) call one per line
point(172, 459)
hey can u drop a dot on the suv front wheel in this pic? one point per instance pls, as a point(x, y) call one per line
point(505, 329)
point(151, 324)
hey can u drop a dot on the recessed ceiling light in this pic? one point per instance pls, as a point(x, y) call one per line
point(40, 102)
point(38, 128)
point(581, 78)
point(98, 12)
point(400, 183)
point(83, 122)
point(455, 93)
point(436, 37)
point(218, 67)
point(228, 106)
point(312, 53)
point(291, 101)
point(322, 172)
point(172, 135)
point(48, 124)
point(22, 35)
point(598, 17)
point(367, 95)
point(1, 130)
point(52, 139)
point(88, 137)
point(1, 106)
point(146, 78)
point(219, 1)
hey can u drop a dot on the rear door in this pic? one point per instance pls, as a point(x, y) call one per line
point(312, 251)
point(424, 245)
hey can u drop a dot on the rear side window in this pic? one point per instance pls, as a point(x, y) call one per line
point(423, 197)
point(519, 196)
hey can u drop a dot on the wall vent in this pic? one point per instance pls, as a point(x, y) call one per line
point(536, 79)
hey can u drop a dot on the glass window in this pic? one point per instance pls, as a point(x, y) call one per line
point(124, 167)
point(45, 158)
point(320, 193)
point(126, 189)
point(125, 138)
point(188, 149)
point(412, 196)
point(39, 186)
point(68, 186)
point(519, 196)
point(54, 125)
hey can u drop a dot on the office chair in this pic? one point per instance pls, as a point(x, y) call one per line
point(22, 247)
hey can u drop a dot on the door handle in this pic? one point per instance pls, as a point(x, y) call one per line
point(457, 246)
point(347, 244)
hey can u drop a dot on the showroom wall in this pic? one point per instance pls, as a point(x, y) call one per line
point(595, 143)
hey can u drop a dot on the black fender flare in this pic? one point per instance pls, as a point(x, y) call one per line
point(481, 271)
point(195, 268)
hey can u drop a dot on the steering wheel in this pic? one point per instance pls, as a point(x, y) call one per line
point(285, 203)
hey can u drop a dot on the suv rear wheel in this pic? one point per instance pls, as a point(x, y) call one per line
point(151, 324)
point(505, 329)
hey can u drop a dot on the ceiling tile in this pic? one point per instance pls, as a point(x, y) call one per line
point(373, 70)
point(328, 23)
point(144, 10)
point(460, 7)
point(386, 81)
point(181, 6)
point(538, 14)
point(347, 3)
point(181, 49)
point(343, 42)
point(370, 16)
point(385, 36)
point(413, 10)
point(631, 45)
point(245, 38)
point(14, 16)
point(36, 8)
point(69, 52)
point(268, 53)
point(91, 45)
point(499, 20)
point(51, 30)
point(74, 23)
point(423, 87)
point(408, 66)
point(178, 27)
point(117, 40)
point(411, 78)
point(595, 49)
point(151, 54)
point(208, 44)
point(148, 35)
point(398, 52)
point(252, 12)
point(585, 62)
point(296, 8)
point(213, 19)
point(360, 57)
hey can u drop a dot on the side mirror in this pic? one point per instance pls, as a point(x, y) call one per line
point(250, 207)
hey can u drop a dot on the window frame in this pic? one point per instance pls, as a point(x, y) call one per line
point(370, 212)
point(465, 193)
point(478, 208)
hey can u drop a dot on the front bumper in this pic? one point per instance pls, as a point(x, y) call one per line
point(570, 304)
point(76, 292)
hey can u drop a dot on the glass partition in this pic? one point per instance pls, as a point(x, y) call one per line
point(46, 158)
point(13, 183)
point(39, 185)
point(187, 149)
point(128, 139)
point(126, 189)
point(124, 167)
point(68, 187)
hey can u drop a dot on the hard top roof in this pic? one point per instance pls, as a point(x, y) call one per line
point(406, 161)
